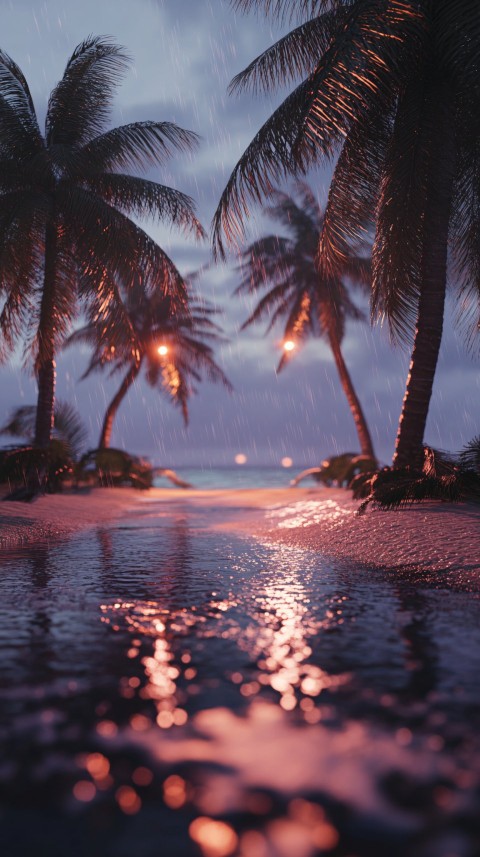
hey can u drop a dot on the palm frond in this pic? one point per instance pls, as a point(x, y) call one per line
point(97, 227)
point(457, 37)
point(353, 193)
point(358, 269)
point(272, 305)
point(300, 215)
point(22, 230)
point(265, 260)
point(279, 149)
point(470, 456)
point(293, 56)
point(20, 422)
point(398, 245)
point(141, 198)
point(80, 104)
point(286, 10)
point(465, 240)
point(373, 54)
point(139, 145)
point(15, 96)
point(68, 426)
point(12, 176)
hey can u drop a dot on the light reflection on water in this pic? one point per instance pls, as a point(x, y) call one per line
point(235, 698)
point(305, 513)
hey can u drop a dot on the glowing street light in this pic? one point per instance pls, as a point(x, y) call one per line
point(289, 345)
point(162, 350)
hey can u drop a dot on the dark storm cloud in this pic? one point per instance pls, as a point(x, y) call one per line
point(184, 54)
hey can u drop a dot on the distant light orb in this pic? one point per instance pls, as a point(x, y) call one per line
point(240, 458)
point(162, 350)
point(286, 461)
point(289, 345)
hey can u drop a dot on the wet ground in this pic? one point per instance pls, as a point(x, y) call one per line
point(167, 690)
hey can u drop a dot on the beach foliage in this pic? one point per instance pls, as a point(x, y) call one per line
point(68, 426)
point(338, 470)
point(69, 240)
point(305, 300)
point(452, 478)
point(26, 471)
point(114, 468)
point(388, 93)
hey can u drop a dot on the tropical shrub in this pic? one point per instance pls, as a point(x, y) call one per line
point(26, 471)
point(114, 468)
point(442, 477)
point(339, 469)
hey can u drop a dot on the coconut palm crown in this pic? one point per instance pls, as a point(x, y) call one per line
point(309, 302)
point(391, 90)
point(184, 335)
point(66, 197)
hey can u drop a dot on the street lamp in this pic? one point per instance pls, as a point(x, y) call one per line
point(289, 345)
point(162, 350)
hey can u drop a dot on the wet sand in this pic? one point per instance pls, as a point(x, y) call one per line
point(431, 536)
point(191, 670)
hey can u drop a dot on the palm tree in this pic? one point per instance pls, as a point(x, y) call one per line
point(391, 90)
point(171, 345)
point(310, 302)
point(66, 238)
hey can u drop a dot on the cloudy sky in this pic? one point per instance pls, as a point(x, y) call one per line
point(184, 54)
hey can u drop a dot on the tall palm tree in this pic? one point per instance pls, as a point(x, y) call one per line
point(391, 89)
point(66, 237)
point(308, 301)
point(171, 345)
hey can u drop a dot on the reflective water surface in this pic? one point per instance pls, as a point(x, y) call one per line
point(167, 690)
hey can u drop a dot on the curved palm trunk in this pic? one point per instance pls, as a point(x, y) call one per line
point(361, 426)
point(429, 328)
point(45, 367)
point(106, 433)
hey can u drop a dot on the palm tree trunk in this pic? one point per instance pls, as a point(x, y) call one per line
point(45, 367)
point(361, 426)
point(106, 433)
point(429, 328)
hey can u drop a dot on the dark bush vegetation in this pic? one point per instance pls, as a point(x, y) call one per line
point(453, 478)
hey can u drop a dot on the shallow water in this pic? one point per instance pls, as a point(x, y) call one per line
point(238, 476)
point(167, 690)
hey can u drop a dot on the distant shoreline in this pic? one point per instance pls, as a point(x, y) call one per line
point(430, 537)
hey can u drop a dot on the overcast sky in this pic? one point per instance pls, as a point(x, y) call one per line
point(184, 54)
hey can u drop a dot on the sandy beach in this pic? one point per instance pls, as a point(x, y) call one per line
point(430, 536)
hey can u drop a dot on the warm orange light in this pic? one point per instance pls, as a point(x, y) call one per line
point(128, 800)
point(289, 345)
point(84, 791)
point(162, 350)
point(240, 458)
point(174, 792)
point(215, 838)
point(97, 766)
point(286, 461)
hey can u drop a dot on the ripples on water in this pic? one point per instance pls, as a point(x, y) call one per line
point(170, 691)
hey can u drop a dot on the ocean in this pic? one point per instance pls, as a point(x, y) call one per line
point(234, 477)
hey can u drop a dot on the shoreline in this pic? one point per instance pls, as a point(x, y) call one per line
point(55, 516)
point(430, 536)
